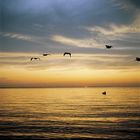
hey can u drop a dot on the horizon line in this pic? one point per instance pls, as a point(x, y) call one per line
point(72, 87)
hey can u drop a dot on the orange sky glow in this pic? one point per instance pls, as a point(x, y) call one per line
point(57, 71)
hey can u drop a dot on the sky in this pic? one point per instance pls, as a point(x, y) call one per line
point(29, 28)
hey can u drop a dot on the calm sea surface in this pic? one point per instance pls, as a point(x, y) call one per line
point(70, 113)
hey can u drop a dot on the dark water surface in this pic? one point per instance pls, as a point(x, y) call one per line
point(70, 113)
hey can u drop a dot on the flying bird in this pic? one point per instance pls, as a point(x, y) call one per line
point(45, 54)
point(35, 58)
point(104, 93)
point(108, 46)
point(67, 53)
point(137, 58)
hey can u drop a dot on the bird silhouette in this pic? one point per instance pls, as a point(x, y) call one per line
point(67, 53)
point(35, 58)
point(137, 58)
point(46, 54)
point(108, 46)
point(104, 93)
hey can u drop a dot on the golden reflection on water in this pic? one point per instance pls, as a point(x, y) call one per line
point(69, 112)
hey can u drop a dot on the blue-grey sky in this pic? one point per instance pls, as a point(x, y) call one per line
point(81, 26)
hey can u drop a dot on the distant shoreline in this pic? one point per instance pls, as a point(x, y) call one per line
point(79, 87)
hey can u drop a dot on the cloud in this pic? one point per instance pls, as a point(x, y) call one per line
point(78, 61)
point(118, 34)
point(83, 26)
point(85, 43)
point(22, 37)
point(115, 29)
point(127, 4)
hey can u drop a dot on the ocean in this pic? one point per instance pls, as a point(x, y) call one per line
point(70, 113)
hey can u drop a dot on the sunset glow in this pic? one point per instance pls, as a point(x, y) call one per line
point(56, 71)
point(30, 28)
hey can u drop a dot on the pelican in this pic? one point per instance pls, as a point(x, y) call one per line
point(45, 54)
point(137, 58)
point(104, 93)
point(67, 53)
point(35, 58)
point(108, 46)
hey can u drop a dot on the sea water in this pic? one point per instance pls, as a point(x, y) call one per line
point(70, 113)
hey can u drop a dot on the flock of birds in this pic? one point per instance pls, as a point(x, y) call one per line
point(68, 53)
point(46, 54)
